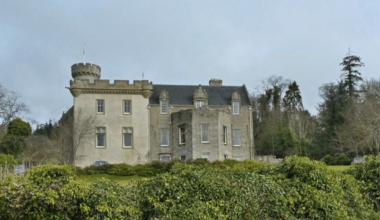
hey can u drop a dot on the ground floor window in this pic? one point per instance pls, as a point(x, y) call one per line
point(205, 133)
point(127, 137)
point(164, 137)
point(182, 135)
point(206, 156)
point(164, 158)
point(100, 137)
point(183, 157)
point(237, 137)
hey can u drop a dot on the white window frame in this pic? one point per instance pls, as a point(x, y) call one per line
point(127, 107)
point(225, 134)
point(164, 132)
point(127, 131)
point(199, 104)
point(100, 131)
point(206, 155)
point(237, 137)
point(100, 106)
point(164, 106)
point(236, 107)
point(182, 141)
point(205, 132)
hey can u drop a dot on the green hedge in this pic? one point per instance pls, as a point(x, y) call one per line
point(295, 189)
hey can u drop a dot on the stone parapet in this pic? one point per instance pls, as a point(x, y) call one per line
point(139, 87)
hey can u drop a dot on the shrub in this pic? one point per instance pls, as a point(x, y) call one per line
point(44, 174)
point(316, 192)
point(342, 160)
point(199, 192)
point(328, 159)
point(368, 176)
point(121, 170)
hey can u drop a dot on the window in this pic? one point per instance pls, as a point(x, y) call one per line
point(127, 106)
point(235, 106)
point(224, 134)
point(164, 107)
point(182, 135)
point(101, 137)
point(100, 106)
point(205, 133)
point(200, 104)
point(165, 158)
point(183, 157)
point(164, 137)
point(127, 137)
point(206, 156)
point(237, 137)
point(238, 157)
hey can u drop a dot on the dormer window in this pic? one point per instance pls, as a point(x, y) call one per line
point(200, 98)
point(235, 107)
point(235, 101)
point(164, 101)
point(164, 107)
point(200, 104)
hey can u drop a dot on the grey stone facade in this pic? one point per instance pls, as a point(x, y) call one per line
point(165, 121)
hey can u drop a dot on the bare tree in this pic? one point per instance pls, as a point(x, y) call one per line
point(75, 127)
point(40, 150)
point(10, 107)
point(360, 134)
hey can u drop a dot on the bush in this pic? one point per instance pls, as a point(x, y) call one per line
point(328, 159)
point(315, 192)
point(199, 192)
point(7, 161)
point(102, 169)
point(61, 197)
point(342, 160)
point(121, 170)
point(45, 174)
point(368, 176)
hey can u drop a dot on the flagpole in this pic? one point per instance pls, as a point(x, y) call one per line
point(84, 53)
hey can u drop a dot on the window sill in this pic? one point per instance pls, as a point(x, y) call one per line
point(125, 147)
point(100, 147)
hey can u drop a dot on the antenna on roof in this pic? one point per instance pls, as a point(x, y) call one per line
point(142, 76)
point(84, 53)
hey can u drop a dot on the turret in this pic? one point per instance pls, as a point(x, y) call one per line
point(85, 71)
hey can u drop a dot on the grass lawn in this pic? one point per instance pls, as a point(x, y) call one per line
point(339, 167)
point(122, 180)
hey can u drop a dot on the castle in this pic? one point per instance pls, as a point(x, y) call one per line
point(141, 122)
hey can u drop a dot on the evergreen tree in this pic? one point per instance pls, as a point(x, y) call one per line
point(293, 99)
point(351, 76)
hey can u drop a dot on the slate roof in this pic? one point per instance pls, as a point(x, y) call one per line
point(183, 94)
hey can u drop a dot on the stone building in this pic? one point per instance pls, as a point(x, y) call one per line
point(141, 122)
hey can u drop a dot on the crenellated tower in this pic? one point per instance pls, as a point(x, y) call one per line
point(85, 71)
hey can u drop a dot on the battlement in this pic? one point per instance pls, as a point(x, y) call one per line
point(79, 86)
point(85, 71)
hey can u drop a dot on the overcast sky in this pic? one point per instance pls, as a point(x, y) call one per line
point(182, 42)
